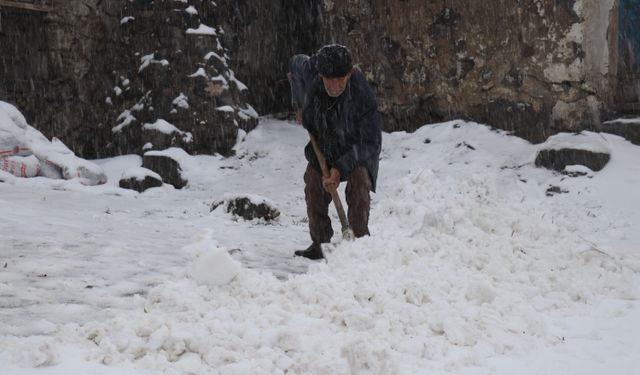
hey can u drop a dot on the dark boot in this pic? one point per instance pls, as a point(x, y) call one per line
point(313, 252)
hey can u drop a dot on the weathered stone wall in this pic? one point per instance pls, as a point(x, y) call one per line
point(263, 35)
point(75, 70)
point(21, 70)
point(517, 65)
point(534, 67)
point(172, 66)
point(57, 75)
point(80, 48)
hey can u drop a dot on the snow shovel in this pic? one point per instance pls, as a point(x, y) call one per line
point(347, 233)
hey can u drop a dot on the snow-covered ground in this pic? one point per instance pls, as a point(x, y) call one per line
point(471, 268)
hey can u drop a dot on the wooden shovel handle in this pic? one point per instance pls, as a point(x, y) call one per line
point(334, 192)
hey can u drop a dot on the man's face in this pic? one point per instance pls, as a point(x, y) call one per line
point(335, 86)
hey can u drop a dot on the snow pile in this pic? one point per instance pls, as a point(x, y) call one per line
point(470, 268)
point(25, 152)
point(37, 352)
point(454, 278)
point(213, 265)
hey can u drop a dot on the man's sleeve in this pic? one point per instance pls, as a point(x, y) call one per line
point(299, 69)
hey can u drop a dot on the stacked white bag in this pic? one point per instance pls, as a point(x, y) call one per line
point(15, 156)
point(25, 152)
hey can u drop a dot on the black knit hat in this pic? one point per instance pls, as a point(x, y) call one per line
point(334, 61)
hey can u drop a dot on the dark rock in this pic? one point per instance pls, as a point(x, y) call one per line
point(220, 139)
point(247, 209)
point(553, 190)
point(166, 167)
point(559, 159)
point(520, 118)
point(134, 183)
point(628, 129)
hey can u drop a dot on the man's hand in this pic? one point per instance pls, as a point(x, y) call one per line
point(331, 183)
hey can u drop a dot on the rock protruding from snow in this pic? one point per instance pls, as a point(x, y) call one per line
point(249, 207)
point(562, 150)
point(166, 166)
point(140, 179)
point(628, 128)
point(559, 159)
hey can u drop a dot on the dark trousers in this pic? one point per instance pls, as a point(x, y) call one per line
point(318, 201)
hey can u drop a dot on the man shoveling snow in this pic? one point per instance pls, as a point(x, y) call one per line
point(334, 102)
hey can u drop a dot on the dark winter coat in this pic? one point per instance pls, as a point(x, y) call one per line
point(347, 128)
